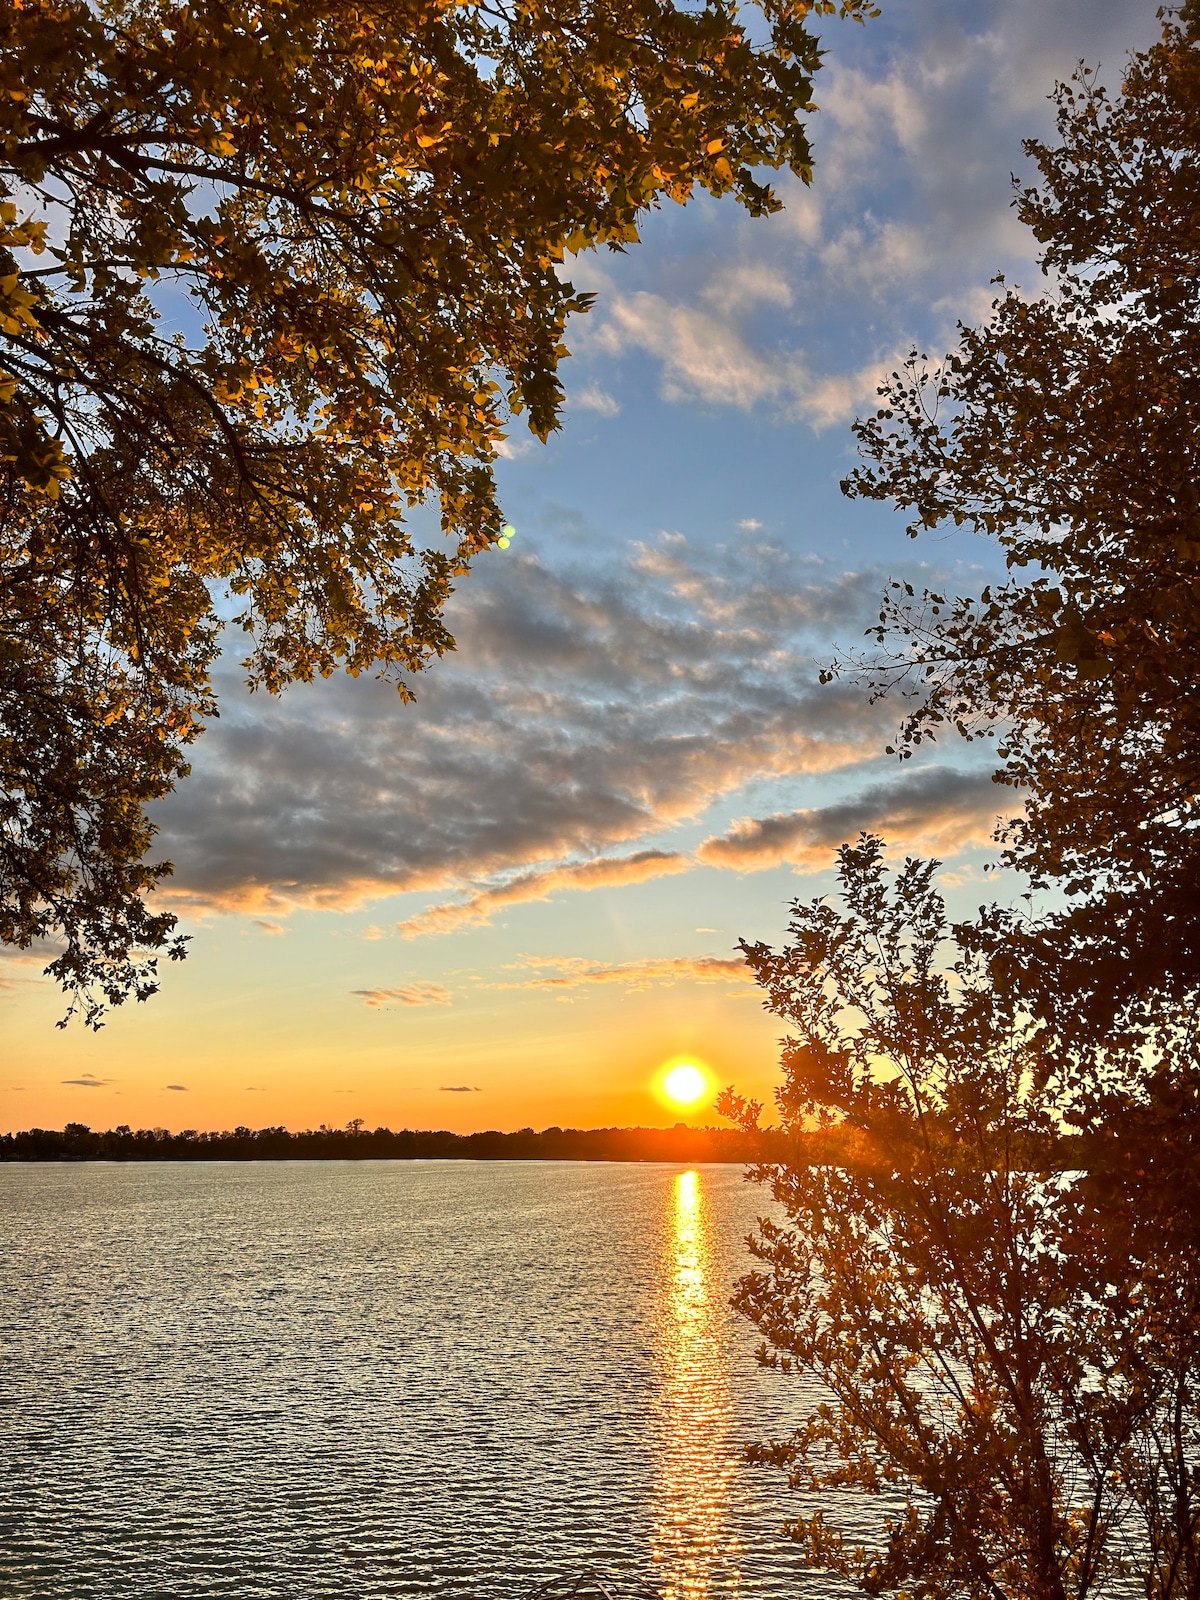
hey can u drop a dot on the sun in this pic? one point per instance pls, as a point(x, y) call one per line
point(685, 1084)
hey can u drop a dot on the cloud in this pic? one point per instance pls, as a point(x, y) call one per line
point(921, 123)
point(606, 872)
point(268, 927)
point(593, 398)
point(21, 968)
point(514, 449)
point(937, 809)
point(706, 356)
point(703, 355)
point(573, 972)
point(181, 1087)
point(412, 994)
point(745, 285)
point(459, 1088)
point(841, 396)
point(586, 714)
point(87, 1082)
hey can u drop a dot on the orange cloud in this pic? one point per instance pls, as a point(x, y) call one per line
point(412, 994)
point(603, 873)
point(937, 810)
point(571, 972)
point(281, 897)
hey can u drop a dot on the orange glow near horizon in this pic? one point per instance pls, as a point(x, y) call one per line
point(215, 1050)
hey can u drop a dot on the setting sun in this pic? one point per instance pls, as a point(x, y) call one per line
point(685, 1084)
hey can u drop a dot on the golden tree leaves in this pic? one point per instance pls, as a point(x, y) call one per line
point(296, 268)
point(998, 1317)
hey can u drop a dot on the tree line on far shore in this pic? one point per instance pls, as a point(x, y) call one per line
point(356, 1142)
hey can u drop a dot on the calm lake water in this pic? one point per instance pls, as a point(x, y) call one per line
point(382, 1378)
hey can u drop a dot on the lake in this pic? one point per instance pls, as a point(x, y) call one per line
point(370, 1379)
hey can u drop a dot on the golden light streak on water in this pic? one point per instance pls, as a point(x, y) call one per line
point(693, 1540)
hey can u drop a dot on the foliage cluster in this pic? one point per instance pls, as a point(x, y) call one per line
point(1066, 428)
point(1007, 1341)
point(272, 275)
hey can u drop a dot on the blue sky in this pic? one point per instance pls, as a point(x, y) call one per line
point(529, 885)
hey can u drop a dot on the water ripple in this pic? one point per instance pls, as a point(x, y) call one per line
point(371, 1379)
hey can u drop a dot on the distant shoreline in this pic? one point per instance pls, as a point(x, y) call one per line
point(77, 1142)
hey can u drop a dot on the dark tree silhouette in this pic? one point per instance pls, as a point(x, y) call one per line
point(1007, 1336)
point(1067, 428)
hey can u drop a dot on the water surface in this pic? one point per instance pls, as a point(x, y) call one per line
point(296, 1379)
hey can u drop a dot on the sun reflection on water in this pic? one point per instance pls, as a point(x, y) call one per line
point(693, 1542)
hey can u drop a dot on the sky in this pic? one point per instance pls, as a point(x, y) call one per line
point(517, 901)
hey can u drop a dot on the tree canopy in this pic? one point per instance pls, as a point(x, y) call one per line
point(994, 1274)
point(987, 1273)
point(1067, 428)
point(271, 276)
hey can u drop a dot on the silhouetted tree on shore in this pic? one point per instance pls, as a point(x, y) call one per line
point(996, 1275)
point(1012, 1346)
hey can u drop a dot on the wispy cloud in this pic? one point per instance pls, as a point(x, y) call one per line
point(937, 809)
point(574, 972)
point(87, 1081)
point(594, 398)
point(409, 994)
point(459, 1088)
point(707, 356)
point(607, 872)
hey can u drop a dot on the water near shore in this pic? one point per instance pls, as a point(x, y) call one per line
point(375, 1379)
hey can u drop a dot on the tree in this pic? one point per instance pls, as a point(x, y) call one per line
point(271, 275)
point(990, 1253)
point(1068, 429)
point(1001, 1356)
